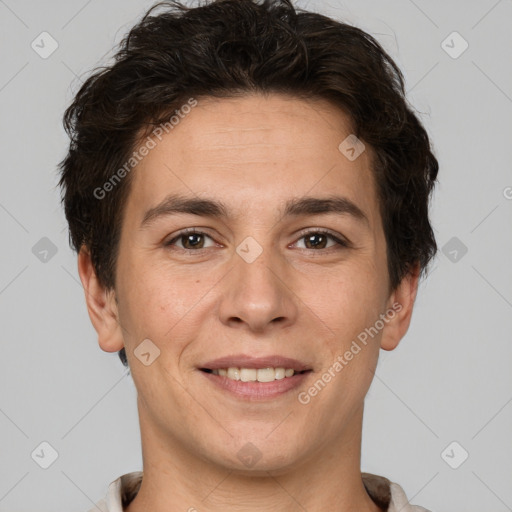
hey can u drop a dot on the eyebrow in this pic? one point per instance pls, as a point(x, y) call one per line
point(175, 204)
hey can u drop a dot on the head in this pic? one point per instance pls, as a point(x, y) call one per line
point(239, 119)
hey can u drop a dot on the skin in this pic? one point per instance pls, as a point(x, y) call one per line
point(302, 301)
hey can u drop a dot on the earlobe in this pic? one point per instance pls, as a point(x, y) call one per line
point(400, 308)
point(101, 305)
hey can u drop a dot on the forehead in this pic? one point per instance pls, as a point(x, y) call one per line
point(256, 150)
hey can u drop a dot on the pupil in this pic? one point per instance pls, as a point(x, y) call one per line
point(311, 238)
point(190, 239)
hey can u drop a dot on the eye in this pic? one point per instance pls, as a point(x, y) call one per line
point(190, 239)
point(317, 239)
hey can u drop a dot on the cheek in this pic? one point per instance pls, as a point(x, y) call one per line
point(348, 312)
point(159, 304)
point(345, 300)
point(143, 310)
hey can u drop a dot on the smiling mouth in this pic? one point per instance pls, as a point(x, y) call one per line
point(268, 374)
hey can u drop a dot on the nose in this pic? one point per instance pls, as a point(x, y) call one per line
point(258, 295)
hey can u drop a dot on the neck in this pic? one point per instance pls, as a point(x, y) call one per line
point(177, 480)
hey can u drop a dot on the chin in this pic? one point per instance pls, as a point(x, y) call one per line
point(258, 459)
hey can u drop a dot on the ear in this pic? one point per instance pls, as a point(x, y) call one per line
point(101, 305)
point(399, 312)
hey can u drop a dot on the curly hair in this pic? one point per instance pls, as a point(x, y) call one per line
point(227, 48)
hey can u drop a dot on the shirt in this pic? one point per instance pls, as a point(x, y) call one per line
point(388, 495)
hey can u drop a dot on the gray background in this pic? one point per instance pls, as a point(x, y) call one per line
point(449, 379)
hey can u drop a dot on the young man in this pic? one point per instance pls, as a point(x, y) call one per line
point(247, 190)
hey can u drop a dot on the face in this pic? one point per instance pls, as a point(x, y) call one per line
point(275, 256)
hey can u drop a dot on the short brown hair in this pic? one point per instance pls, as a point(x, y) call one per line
point(232, 47)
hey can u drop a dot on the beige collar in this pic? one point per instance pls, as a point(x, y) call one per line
point(378, 487)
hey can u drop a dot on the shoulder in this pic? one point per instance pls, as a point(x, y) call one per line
point(120, 492)
point(399, 501)
point(388, 495)
point(101, 505)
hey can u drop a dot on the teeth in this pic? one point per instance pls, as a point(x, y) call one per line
point(253, 374)
point(248, 374)
point(280, 373)
point(233, 373)
point(266, 375)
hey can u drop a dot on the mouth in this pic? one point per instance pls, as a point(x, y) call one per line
point(256, 379)
point(267, 374)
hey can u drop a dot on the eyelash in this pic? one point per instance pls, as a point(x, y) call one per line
point(340, 243)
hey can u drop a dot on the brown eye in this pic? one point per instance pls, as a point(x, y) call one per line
point(189, 240)
point(192, 241)
point(317, 240)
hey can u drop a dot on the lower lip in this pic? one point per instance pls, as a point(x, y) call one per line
point(257, 390)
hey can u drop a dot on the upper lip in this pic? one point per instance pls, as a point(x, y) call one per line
point(246, 361)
